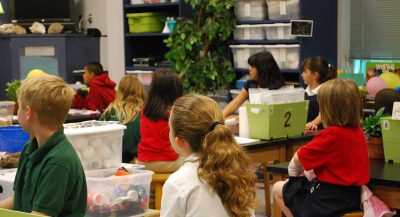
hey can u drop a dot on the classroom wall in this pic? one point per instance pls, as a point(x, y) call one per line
point(98, 10)
point(107, 17)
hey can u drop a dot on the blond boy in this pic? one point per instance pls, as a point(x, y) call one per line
point(50, 179)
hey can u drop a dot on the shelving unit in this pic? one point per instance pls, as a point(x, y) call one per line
point(322, 43)
point(294, 41)
point(262, 22)
point(145, 45)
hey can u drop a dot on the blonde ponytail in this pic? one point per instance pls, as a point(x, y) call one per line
point(222, 162)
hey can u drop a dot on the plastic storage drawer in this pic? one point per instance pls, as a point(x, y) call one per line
point(282, 10)
point(246, 10)
point(278, 31)
point(144, 77)
point(286, 56)
point(241, 54)
point(249, 32)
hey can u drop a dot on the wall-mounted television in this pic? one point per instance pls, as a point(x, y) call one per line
point(45, 11)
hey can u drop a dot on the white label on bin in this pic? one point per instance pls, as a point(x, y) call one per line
point(281, 33)
point(282, 8)
point(247, 10)
point(247, 33)
point(386, 125)
point(256, 110)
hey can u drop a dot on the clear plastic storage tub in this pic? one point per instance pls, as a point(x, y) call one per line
point(282, 10)
point(97, 143)
point(144, 77)
point(7, 182)
point(241, 54)
point(249, 32)
point(278, 31)
point(286, 56)
point(126, 195)
point(250, 10)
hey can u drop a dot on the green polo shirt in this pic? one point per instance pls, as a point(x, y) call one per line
point(50, 179)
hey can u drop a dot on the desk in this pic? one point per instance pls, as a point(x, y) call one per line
point(74, 115)
point(274, 151)
point(384, 182)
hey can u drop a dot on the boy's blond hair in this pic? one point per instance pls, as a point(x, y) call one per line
point(49, 96)
point(340, 103)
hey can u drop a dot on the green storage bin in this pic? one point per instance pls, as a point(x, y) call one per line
point(145, 22)
point(391, 139)
point(278, 120)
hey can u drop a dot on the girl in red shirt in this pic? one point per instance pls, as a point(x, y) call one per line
point(337, 156)
point(154, 149)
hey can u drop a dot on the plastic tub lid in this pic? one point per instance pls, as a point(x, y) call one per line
point(251, 26)
point(277, 24)
point(282, 46)
point(146, 14)
point(90, 127)
point(139, 72)
point(6, 103)
point(246, 46)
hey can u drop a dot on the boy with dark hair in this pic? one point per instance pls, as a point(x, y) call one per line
point(50, 179)
point(101, 93)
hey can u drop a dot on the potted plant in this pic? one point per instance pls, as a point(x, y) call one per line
point(198, 46)
point(372, 130)
point(12, 92)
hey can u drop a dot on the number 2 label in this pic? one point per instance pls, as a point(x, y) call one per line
point(287, 117)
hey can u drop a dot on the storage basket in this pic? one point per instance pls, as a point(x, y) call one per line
point(12, 139)
point(145, 22)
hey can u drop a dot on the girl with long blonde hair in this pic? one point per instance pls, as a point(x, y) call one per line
point(216, 178)
point(126, 109)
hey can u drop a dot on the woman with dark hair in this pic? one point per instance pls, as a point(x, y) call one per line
point(264, 73)
point(154, 149)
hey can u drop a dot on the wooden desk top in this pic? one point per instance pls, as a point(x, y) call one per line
point(281, 141)
point(386, 174)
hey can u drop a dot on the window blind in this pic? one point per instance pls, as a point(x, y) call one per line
point(375, 29)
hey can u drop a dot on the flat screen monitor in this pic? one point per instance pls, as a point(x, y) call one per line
point(42, 10)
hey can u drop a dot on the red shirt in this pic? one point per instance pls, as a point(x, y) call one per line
point(154, 144)
point(101, 94)
point(338, 155)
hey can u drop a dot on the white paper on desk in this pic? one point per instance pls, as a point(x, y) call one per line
point(396, 111)
point(286, 94)
point(243, 140)
point(243, 122)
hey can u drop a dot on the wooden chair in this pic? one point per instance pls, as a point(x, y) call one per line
point(157, 183)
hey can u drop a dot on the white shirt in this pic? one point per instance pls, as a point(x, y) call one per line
point(312, 92)
point(185, 195)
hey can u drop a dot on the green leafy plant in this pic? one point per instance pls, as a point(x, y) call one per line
point(11, 90)
point(198, 46)
point(372, 124)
